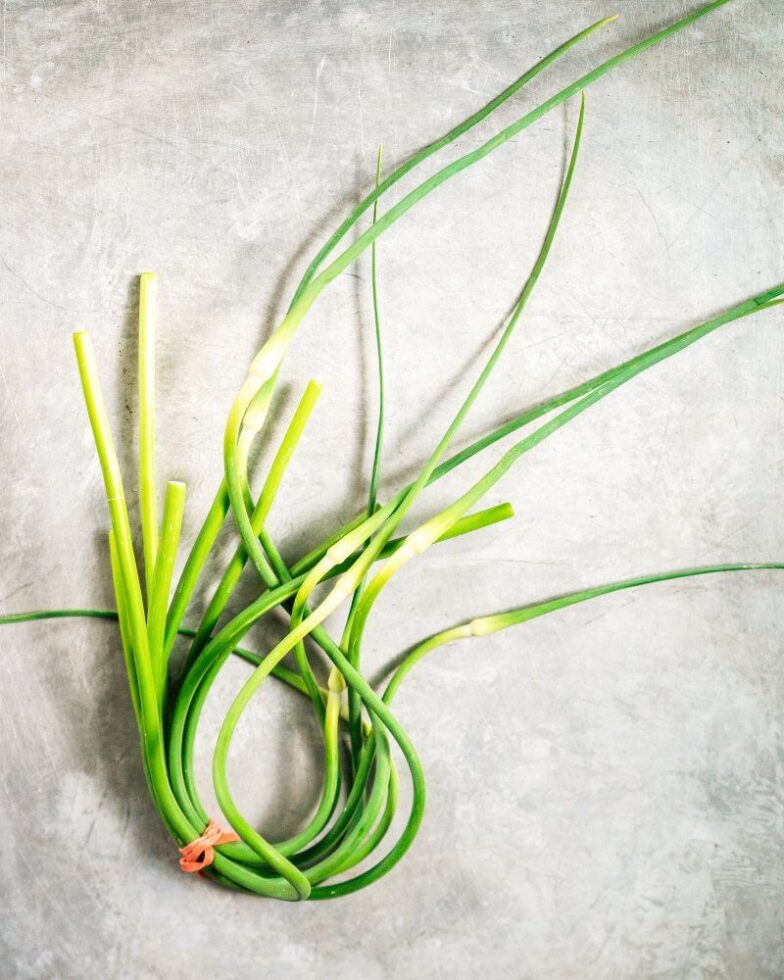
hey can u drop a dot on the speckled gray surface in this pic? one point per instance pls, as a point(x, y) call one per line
point(605, 785)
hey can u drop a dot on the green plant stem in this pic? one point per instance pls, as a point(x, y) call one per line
point(174, 505)
point(377, 449)
point(147, 491)
point(200, 551)
point(485, 625)
point(121, 615)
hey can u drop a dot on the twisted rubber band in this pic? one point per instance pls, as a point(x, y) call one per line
point(200, 853)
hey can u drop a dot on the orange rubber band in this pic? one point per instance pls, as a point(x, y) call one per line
point(200, 853)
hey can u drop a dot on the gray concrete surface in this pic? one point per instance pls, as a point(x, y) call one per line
point(605, 785)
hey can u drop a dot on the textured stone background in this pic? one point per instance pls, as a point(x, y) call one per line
point(605, 785)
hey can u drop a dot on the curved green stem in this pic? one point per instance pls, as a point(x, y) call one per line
point(485, 625)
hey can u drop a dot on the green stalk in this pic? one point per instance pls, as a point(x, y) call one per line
point(174, 505)
point(485, 625)
point(377, 449)
point(147, 490)
point(122, 616)
point(194, 564)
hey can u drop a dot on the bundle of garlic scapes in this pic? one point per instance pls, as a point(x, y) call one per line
point(359, 795)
